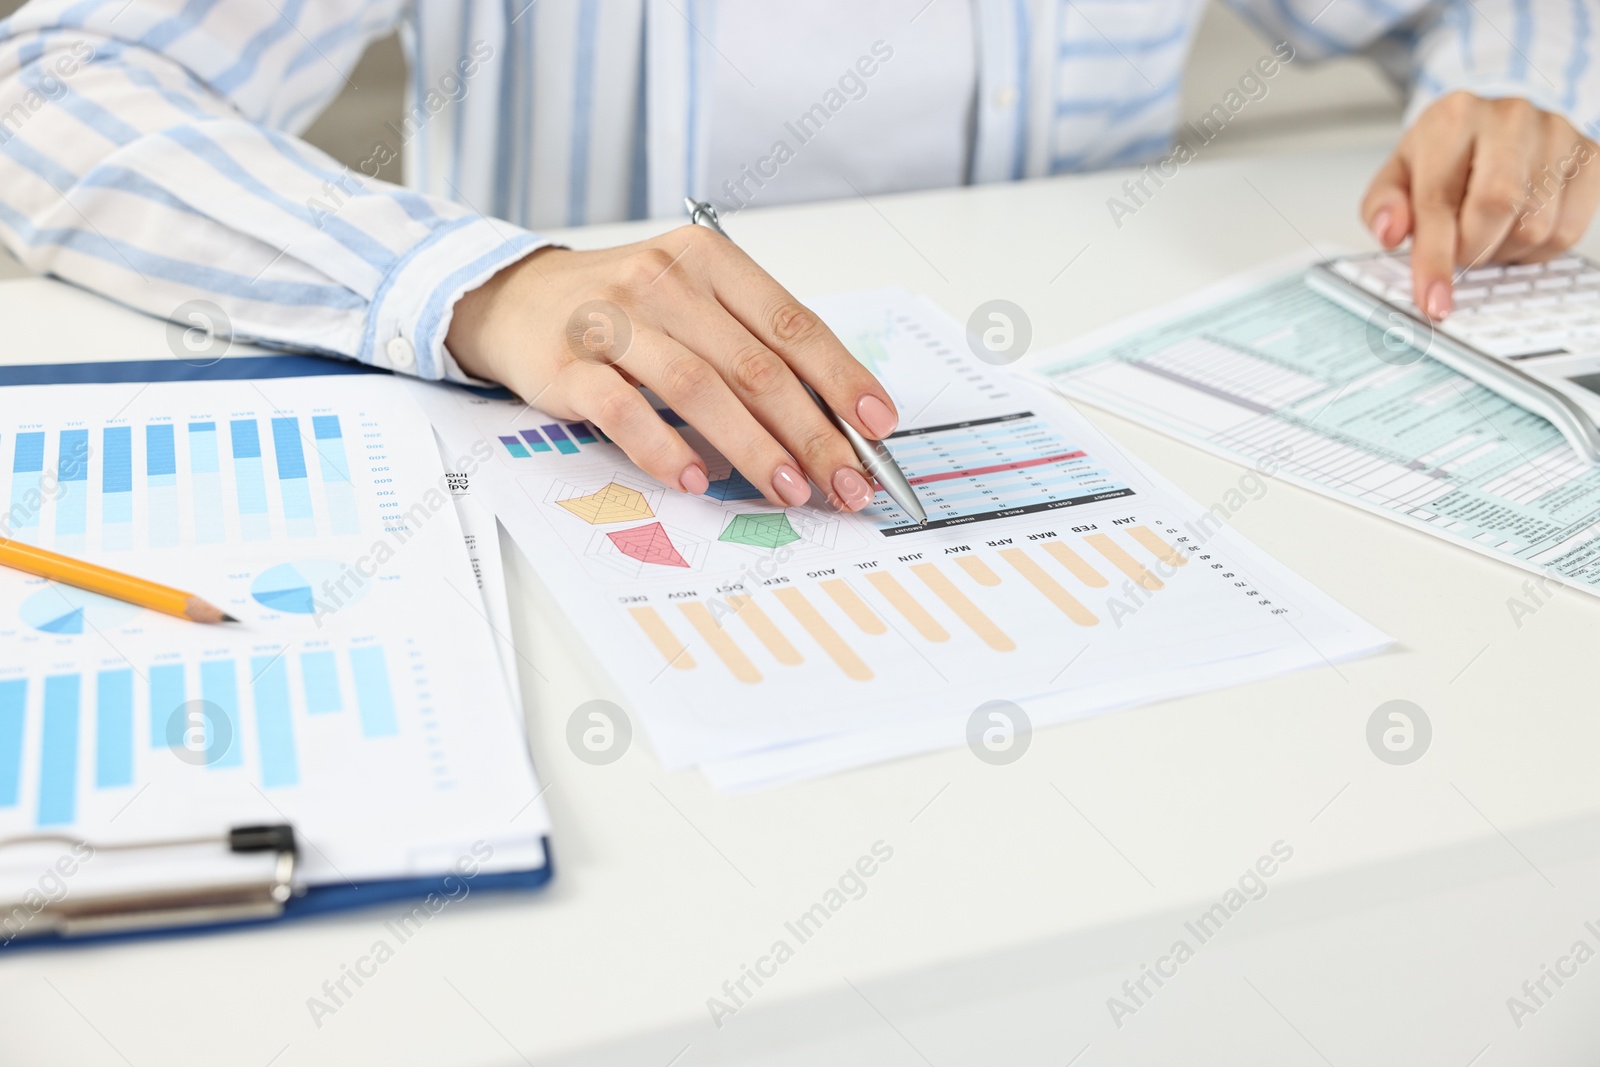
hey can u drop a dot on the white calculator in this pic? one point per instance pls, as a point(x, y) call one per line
point(1530, 332)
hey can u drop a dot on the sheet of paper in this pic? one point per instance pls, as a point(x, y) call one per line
point(359, 698)
point(481, 533)
point(1263, 370)
point(1051, 562)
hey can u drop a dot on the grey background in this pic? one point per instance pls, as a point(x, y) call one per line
point(1345, 97)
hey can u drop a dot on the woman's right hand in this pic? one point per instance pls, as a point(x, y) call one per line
point(697, 321)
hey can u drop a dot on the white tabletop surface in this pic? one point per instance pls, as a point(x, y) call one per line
point(1019, 898)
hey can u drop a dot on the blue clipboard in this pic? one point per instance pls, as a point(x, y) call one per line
point(317, 900)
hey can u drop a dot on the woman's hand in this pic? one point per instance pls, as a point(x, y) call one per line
point(1478, 181)
point(693, 318)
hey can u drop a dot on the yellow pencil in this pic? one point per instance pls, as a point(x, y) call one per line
point(106, 582)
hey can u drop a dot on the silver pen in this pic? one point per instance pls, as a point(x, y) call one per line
point(874, 455)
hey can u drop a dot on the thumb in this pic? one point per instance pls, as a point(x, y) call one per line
point(1386, 207)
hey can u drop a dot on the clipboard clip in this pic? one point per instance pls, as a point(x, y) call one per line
point(168, 906)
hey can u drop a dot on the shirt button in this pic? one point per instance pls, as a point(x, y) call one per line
point(401, 355)
point(1005, 97)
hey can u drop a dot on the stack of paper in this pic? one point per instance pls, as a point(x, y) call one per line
point(361, 697)
point(767, 645)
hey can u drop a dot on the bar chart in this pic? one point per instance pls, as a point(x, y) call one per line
point(165, 483)
point(991, 468)
point(931, 600)
point(68, 737)
point(553, 438)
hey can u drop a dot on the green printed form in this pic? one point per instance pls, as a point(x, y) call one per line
point(1279, 374)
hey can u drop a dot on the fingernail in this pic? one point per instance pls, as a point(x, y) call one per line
point(875, 416)
point(791, 485)
point(693, 480)
point(1438, 305)
point(1380, 226)
point(852, 488)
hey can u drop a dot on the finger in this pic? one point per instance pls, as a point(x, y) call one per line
point(692, 387)
point(1386, 207)
point(1508, 147)
point(1580, 198)
point(768, 388)
point(621, 411)
point(802, 340)
point(1534, 227)
point(1439, 166)
point(1560, 196)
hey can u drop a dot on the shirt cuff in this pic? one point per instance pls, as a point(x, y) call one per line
point(410, 313)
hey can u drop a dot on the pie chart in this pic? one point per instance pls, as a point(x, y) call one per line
point(298, 588)
point(61, 609)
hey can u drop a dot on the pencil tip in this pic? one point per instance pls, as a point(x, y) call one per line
point(201, 611)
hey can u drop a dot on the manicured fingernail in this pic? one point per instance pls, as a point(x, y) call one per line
point(1380, 226)
point(693, 480)
point(1438, 305)
point(852, 488)
point(875, 416)
point(791, 486)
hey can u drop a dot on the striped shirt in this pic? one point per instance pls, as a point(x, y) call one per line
point(148, 148)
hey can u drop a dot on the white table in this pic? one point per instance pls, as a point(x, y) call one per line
point(1020, 898)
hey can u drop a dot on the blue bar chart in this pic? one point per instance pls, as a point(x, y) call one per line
point(161, 482)
point(167, 695)
point(116, 488)
point(335, 465)
point(170, 482)
point(274, 727)
point(65, 737)
point(58, 750)
point(72, 489)
point(13, 708)
point(113, 733)
point(250, 477)
point(373, 695)
point(205, 469)
point(292, 479)
point(27, 497)
point(319, 672)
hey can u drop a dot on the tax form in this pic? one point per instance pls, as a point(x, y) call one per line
point(1261, 367)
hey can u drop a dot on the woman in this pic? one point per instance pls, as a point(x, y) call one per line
point(148, 151)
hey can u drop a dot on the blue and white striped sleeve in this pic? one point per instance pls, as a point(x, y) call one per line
point(147, 152)
point(1494, 48)
point(1540, 51)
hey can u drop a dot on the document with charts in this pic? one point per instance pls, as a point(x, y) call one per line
point(1262, 365)
point(1051, 562)
point(360, 696)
